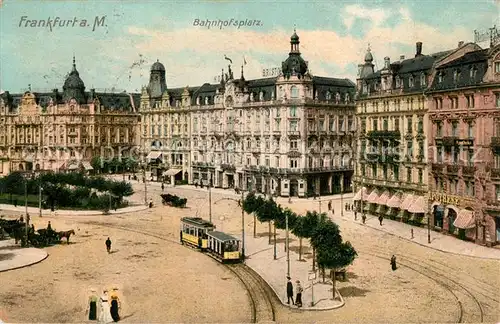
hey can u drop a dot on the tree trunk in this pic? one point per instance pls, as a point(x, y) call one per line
point(300, 248)
point(269, 232)
point(274, 227)
point(254, 226)
point(333, 283)
point(323, 272)
point(314, 259)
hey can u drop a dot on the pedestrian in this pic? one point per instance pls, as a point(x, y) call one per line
point(201, 184)
point(289, 199)
point(108, 245)
point(49, 227)
point(196, 184)
point(92, 305)
point(380, 219)
point(105, 313)
point(393, 262)
point(15, 202)
point(289, 291)
point(411, 233)
point(333, 211)
point(298, 299)
point(162, 187)
point(363, 218)
point(355, 215)
point(21, 219)
point(115, 305)
point(129, 177)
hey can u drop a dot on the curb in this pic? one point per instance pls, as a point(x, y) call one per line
point(28, 264)
point(60, 214)
point(424, 245)
point(342, 302)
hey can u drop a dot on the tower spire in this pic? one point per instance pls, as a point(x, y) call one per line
point(242, 77)
point(74, 62)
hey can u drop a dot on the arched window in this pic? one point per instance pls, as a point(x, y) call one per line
point(337, 97)
point(422, 79)
point(206, 100)
point(440, 77)
point(328, 95)
point(198, 101)
point(261, 96)
point(398, 82)
point(294, 92)
point(346, 98)
point(411, 82)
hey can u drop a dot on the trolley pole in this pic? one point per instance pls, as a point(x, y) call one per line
point(210, 200)
point(287, 248)
point(242, 228)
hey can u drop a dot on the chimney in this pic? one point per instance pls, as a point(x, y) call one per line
point(460, 44)
point(92, 94)
point(419, 49)
point(387, 62)
point(402, 57)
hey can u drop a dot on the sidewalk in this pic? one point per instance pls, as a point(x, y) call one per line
point(13, 257)
point(260, 257)
point(33, 211)
point(440, 242)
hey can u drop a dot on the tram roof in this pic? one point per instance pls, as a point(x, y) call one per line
point(197, 221)
point(222, 236)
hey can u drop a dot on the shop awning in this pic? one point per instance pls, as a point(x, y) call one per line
point(418, 205)
point(73, 166)
point(465, 219)
point(362, 192)
point(172, 172)
point(59, 165)
point(87, 166)
point(407, 201)
point(394, 201)
point(153, 155)
point(373, 197)
point(382, 200)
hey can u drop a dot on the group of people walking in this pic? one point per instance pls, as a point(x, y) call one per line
point(107, 305)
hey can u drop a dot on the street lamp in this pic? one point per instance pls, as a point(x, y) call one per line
point(210, 199)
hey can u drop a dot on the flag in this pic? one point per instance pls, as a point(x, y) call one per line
point(244, 61)
point(227, 58)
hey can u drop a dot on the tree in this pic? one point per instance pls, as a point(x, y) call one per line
point(336, 257)
point(310, 222)
point(299, 230)
point(325, 234)
point(266, 212)
point(97, 163)
point(251, 204)
point(14, 183)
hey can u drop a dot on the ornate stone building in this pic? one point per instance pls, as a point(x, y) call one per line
point(392, 174)
point(464, 108)
point(60, 131)
point(286, 135)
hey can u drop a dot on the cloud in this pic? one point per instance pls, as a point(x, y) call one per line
point(352, 12)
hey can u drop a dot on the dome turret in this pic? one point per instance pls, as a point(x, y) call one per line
point(368, 55)
point(157, 66)
point(73, 86)
point(294, 64)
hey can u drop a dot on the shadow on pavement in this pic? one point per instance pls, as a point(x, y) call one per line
point(6, 256)
point(352, 291)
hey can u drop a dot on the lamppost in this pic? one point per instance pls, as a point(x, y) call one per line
point(210, 199)
point(287, 247)
point(145, 185)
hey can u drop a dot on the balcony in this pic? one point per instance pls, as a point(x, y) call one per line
point(452, 169)
point(384, 134)
point(468, 170)
point(437, 167)
point(293, 133)
point(449, 141)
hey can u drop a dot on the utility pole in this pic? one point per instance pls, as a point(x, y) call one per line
point(287, 248)
point(145, 185)
point(274, 226)
point(210, 199)
point(242, 228)
point(39, 198)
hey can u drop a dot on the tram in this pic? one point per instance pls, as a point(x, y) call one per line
point(201, 234)
point(194, 232)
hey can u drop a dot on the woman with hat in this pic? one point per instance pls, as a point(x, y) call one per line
point(105, 315)
point(92, 305)
point(115, 305)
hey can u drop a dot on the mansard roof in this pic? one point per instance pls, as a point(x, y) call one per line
point(462, 66)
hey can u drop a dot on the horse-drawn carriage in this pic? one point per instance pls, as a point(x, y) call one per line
point(40, 238)
point(173, 200)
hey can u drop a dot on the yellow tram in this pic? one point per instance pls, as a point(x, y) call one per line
point(223, 247)
point(194, 232)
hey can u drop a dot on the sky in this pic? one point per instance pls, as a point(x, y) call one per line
point(117, 52)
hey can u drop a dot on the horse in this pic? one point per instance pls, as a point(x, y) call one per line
point(66, 234)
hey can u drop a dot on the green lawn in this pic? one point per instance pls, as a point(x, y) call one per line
point(32, 200)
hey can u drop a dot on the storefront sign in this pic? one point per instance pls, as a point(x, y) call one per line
point(448, 199)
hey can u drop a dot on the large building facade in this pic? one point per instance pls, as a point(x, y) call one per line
point(65, 130)
point(464, 109)
point(287, 135)
point(392, 170)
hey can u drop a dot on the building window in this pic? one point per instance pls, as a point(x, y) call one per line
point(456, 76)
point(293, 145)
point(375, 124)
point(440, 77)
point(268, 163)
point(363, 170)
point(294, 92)
point(454, 129)
point(455, 155)
point(293, 163)
point(422, 79)
point(395, 169)
point(386, 124)
point(497, 191)
point(473, 72)
point(470, 101)
point(497, 100)
point(374, 171)
point(420, 176)
point(411, 82)
point(293, 125)
point(409, 149)
point(420, 125)
point(277, 161)
point(470, 130)
point(396, 124)
point(409, 125)
point(293, 111)
point(328, 95)
point(408, 174)
point(470, 157)
point(497, 67)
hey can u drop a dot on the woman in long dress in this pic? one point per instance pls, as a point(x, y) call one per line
point(115, 305)
point(92, 305)
point(105, 315)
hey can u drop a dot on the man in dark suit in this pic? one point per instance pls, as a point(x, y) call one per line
point(289, 291)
